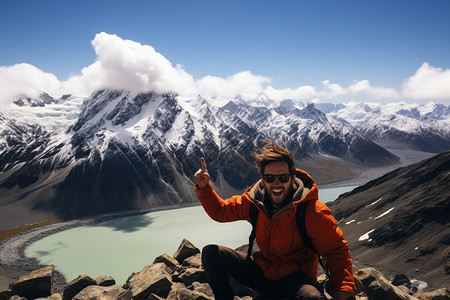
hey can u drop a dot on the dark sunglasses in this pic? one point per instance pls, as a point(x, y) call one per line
point(283, 178)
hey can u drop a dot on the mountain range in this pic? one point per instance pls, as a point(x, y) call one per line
point(118, 150)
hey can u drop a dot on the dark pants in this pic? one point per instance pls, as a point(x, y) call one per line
point(219, 262)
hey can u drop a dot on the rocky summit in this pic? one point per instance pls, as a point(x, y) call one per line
point(181, 277)
point(400, 221)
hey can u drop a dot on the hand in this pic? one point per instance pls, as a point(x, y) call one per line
point(202, 175)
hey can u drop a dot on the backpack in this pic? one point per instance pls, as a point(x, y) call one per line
point(301, 209)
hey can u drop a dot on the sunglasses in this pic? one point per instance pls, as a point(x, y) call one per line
point(283, 178)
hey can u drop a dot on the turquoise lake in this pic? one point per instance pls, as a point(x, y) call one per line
point(125, 245)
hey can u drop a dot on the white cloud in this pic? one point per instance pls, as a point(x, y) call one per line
point(24, 79)
point(125, 64)
point(428, 83)
point(244, 84)
point(302, 92)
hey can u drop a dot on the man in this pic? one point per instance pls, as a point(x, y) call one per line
point(284, 266)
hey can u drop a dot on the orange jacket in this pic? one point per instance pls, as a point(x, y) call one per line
point(282, 250)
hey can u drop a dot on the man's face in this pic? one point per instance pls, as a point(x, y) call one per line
point(277, 190)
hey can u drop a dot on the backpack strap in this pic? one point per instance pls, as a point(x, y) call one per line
point(301, 210)
point(253, 214)
point(300, 216)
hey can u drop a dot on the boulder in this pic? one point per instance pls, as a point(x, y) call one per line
point(77, 285)
point(185, 250)
point(52, 297)
point(440, 294)
point(192, 275)
point(113, 292)
point(202, 287)
point(376, 286)
point(401, 279)
point(155, 297)
point(186, 294)
point(5, 295)
point(105, 281)
point(194, 261)
point(154, 279)
point(37, 284)
point(168, 260)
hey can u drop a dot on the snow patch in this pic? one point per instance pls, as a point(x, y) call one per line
point(350, 222)
point(366, 236)
point(385, 213)
point(374, 202)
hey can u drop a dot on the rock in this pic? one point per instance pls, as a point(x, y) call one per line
point(15, 297)
point(77, 285)
point(401, 279)
point(113, 292)
point(185, 250)
point(440, 294)
point(154, 297)
point(192, 275)
point(202, 287)
point(105, 281)
point(168, 260)
point(187, 294)
point(242, 290)
point(5, 295)
point(376, 286)
point(194, 261)
point(52, 297)
point(152, 279)
point(38, 283)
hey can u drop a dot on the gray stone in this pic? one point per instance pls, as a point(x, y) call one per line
point(152, 279)
point(38, 283)
point(5, 295)
point(185, 250)
point(168, 260)
point(194, 261)
point(105, 281)
point(77, 285)
point(376, 286)
point(155, 297)
point(192, 275)
point(15, 297)
point(201, 287)
point(186, 294)
point(96, 292)
point(52, 297)
point(440, 294)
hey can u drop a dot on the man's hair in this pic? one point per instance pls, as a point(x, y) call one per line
point(272, 152)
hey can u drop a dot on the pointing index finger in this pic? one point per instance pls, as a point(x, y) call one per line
point(202, 161)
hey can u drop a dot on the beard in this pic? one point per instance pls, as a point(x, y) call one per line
point(275, 204)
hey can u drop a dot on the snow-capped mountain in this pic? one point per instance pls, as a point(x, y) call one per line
point(119, 150)
point(420, 127)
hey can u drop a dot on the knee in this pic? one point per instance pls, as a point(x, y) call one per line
point(309, 292)
point(209, 254)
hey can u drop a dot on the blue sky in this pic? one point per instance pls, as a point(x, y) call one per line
point(324, 45)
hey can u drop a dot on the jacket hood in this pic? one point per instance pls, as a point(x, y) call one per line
point(305, 189)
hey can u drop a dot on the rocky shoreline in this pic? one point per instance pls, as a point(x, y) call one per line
point(181, 276)
point(13, 261)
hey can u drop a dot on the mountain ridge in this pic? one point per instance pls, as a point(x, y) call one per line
point(399, 221)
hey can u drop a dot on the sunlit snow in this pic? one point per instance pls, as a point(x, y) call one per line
point(365, 236)
point(385, 213)
point(374, 202)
